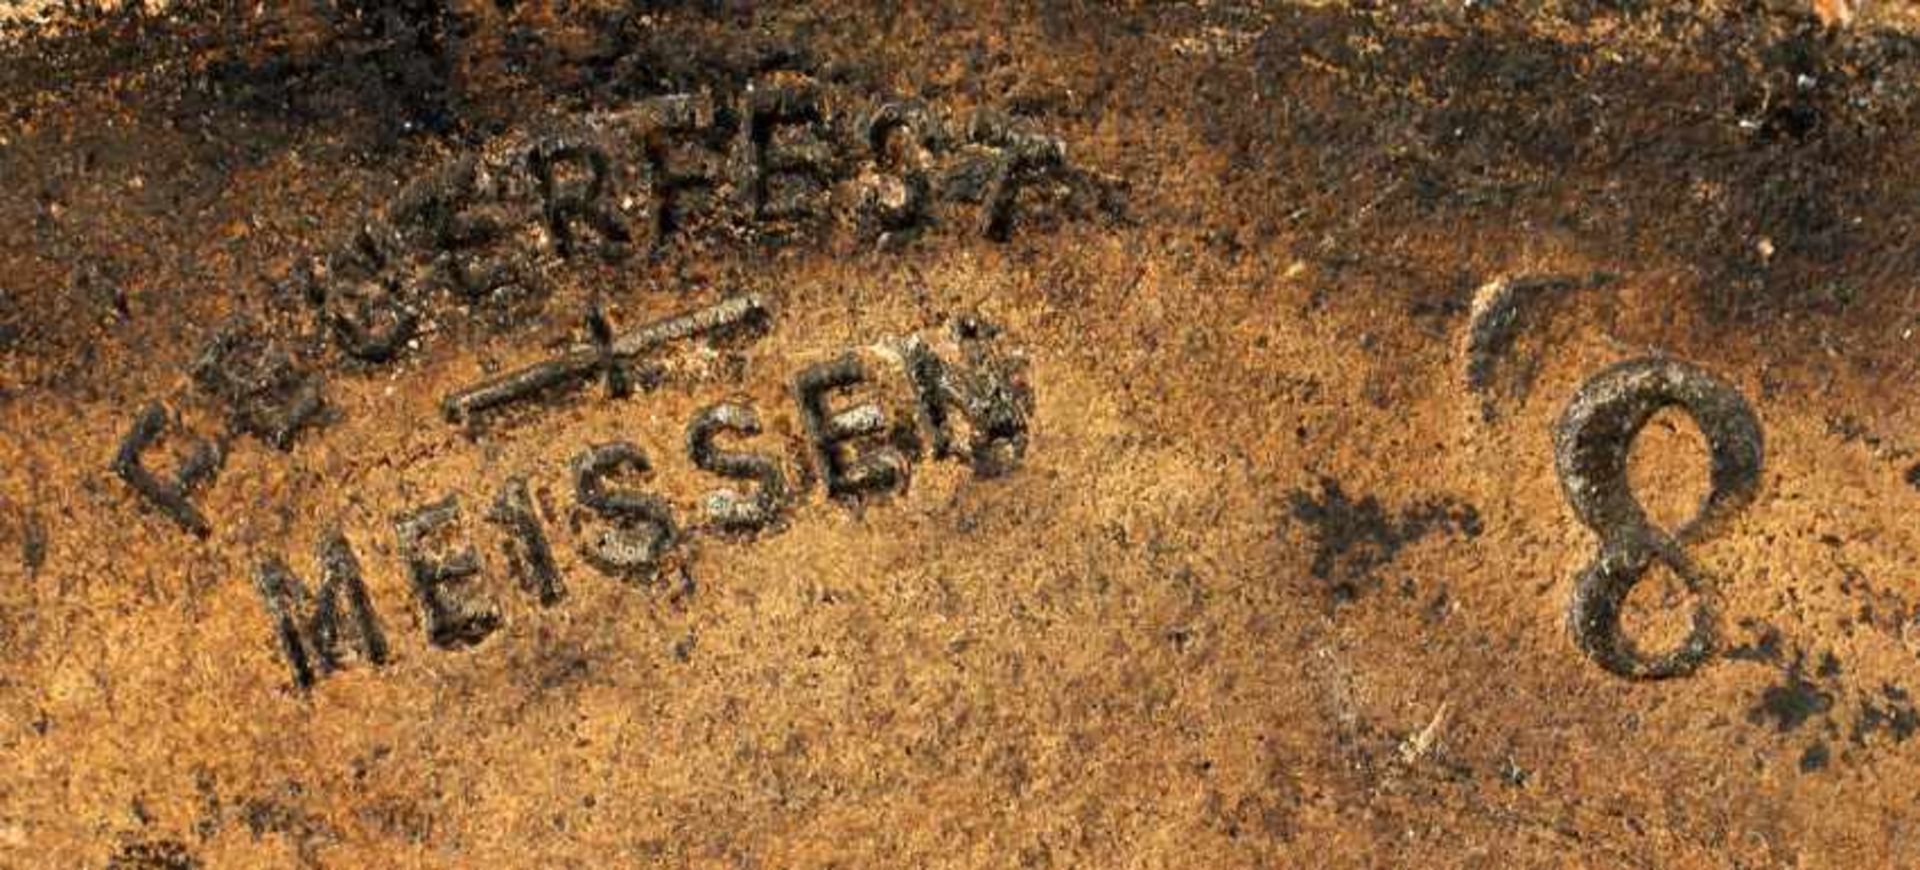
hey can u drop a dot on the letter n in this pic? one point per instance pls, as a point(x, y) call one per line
point(988, 395)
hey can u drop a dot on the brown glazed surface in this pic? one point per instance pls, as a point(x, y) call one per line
point(1263, 317)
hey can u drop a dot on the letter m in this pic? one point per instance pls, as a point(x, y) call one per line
point(311, 633)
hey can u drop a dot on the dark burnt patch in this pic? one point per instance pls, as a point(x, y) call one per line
point(1751, 146)
point(1791, 702)
point(1816, 757)
point(1802, 693)
point(385, 68)
point(1890, 712)
point(1811, 696)
point(33, 542)
point(283, 814)
point(153, 855)
point(1353, 538)
point(1765, 645)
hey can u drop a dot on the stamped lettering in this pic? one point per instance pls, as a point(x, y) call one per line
point(312, 633)
point(169, 496)
point(490, 239)
point(637, 527)
point(850, 443)
point(1591, 443)
point(443, 574)
point(864, 419)
point(988, 396)
point(780, 157)
point(527, 548)
point(728, 508)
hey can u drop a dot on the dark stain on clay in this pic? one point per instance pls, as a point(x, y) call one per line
point(1792, 701)
point(33, 545)
point(390, 62)
point(1352, 538)
point(1765, 648)
point(1463, 115)
point(1810, 690)
point(1891, 712)
point(153, 855)
point(1795, 698)
point(1815, 758)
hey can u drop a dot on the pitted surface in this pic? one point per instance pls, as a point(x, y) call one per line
point(465, 434)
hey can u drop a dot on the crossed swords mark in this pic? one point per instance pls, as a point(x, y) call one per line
point(605, 355)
